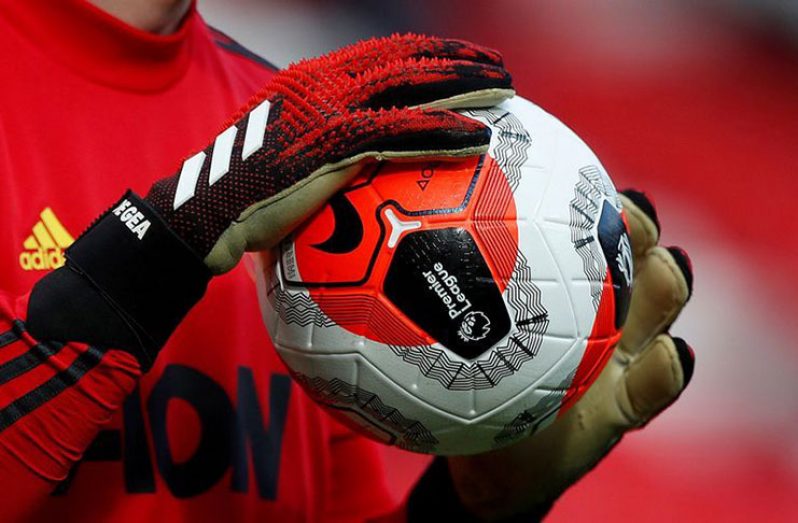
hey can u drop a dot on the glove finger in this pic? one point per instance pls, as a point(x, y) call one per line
point(427, 133)
point(641, 216)
point(410, 83)
point(661, 288)
point(368, 54)
point(655, 379)
point(389, 133)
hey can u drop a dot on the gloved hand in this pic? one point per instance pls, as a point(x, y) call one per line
point(143, 264)
point(648, 371)
point(257, 180)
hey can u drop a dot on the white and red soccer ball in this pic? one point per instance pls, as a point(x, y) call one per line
point(453, 307)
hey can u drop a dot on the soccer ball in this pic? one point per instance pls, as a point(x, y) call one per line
point(453, 307)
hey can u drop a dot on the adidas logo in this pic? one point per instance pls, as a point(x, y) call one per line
point(44, 249)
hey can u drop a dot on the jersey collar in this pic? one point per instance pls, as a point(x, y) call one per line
point(102, 48)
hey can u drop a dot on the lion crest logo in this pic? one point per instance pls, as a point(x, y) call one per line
point(474, 327)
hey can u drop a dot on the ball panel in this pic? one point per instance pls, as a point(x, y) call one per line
point(430, 188)
point(439, 280)
point(337, 247)
point(569, 294)
point(495, 223)
point(598, 350)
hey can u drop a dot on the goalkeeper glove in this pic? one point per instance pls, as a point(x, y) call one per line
point(135, 273)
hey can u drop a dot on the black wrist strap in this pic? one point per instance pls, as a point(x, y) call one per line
point(128, 282)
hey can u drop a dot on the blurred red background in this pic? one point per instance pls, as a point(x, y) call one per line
point(697, 104)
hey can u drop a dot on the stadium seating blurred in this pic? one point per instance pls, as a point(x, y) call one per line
point(696, 103)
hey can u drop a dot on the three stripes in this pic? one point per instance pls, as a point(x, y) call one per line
point(221, 155)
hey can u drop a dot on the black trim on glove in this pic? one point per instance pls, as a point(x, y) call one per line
point(127, 284)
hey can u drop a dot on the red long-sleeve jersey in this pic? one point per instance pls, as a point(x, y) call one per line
point(215, 430)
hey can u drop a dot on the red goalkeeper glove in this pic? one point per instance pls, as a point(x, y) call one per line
point(138, 270)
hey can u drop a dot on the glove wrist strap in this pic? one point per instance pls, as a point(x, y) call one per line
point(144, 273)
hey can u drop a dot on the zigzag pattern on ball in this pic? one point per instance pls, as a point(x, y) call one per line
point(296, 307)
point(475, 375)
point(299, 308)
point(526, 301)
point(511, 152)
point(369, 312)
point(409, 434)
point(589, 194)
point(491, 225)
point(528, 421)
point(512, 148)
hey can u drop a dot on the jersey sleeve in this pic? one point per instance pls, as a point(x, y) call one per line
point(74, 348)
point(54, 397)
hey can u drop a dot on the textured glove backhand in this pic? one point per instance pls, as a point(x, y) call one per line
point(318, 117)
